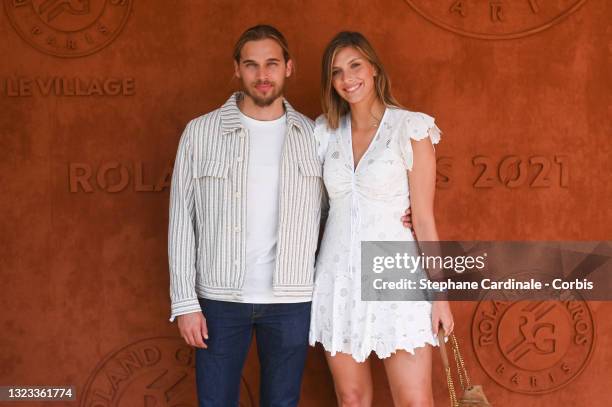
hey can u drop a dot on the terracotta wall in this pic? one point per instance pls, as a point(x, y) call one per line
point(92, 105)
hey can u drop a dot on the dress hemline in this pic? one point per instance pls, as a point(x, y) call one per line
point(407, 345)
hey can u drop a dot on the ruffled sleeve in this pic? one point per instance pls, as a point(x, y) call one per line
point(321, 135)
point(416, 126)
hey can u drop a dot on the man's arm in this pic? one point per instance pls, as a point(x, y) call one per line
point(181, 231)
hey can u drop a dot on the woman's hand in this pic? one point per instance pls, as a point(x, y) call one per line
point(441, 314)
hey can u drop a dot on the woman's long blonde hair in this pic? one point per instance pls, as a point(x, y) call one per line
point(334, 107)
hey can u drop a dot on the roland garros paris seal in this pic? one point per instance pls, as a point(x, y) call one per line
point(152, 372)
point(68, 28)
point(495, 19)
point(533, 347)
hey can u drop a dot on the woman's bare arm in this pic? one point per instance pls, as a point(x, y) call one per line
point(422, 180)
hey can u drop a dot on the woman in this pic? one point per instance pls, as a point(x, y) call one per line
point(375, 156)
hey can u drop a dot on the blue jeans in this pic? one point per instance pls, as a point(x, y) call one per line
point(282, 342)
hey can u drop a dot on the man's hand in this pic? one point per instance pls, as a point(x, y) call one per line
point(407, 219)
point(193, 329)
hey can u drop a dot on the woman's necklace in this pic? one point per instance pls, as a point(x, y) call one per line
point(374, 124)
point(376, 121)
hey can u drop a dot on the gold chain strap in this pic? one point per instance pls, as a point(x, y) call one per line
point(461, 370)
point(451, 388)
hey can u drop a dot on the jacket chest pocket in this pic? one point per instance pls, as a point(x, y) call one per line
point(210, 168)
point(212, 185)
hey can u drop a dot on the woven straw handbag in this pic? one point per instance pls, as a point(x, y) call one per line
point(473, 395)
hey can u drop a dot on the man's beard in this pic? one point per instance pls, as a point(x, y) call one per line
point(267, 100)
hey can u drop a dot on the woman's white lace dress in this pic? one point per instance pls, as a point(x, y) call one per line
point(366, 204)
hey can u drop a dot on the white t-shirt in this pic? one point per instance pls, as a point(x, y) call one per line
point(266, 140)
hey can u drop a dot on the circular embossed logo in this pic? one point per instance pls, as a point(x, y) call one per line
point(495, 19)
point(533, 346)
point(153, 372)
point(68, 28)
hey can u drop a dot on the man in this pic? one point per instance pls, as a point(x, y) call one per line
point(246, 201)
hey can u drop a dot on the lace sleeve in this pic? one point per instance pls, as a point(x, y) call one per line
point(416, 126)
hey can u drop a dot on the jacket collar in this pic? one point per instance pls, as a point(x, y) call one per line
point(230, 114)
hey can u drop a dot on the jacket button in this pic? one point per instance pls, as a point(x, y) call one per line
point(236, 229)
point(239, 159)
